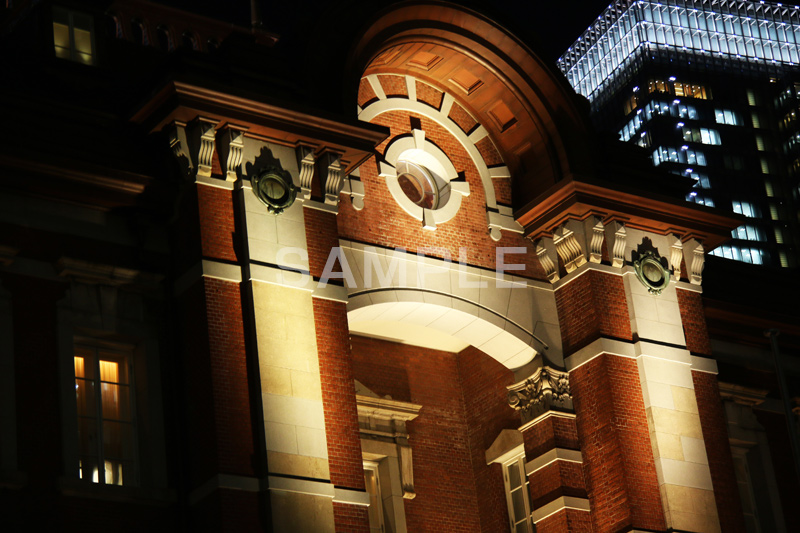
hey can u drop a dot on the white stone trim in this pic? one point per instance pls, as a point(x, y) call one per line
point(320, 206)
point(441, 118)
point(351, 497)
point(562, 502)
point(375, 83)
point(225, 481)
point(209, 269)
point(543, 416)
point(302, 486)
point(336, 293)
point(551, 456)
point(634, 350)
point(215, 182)
point(704, 364)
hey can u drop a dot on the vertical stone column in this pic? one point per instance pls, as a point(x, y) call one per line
point(676, 434)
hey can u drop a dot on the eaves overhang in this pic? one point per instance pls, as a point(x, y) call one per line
point(579, 199)
point(183, 102)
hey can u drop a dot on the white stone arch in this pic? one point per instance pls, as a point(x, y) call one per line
point(511, 320)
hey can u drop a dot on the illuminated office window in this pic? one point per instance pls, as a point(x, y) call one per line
point(73, 36)
point(749, 233)
point(726, 116)
point(105, 418)
point(701, 135)
point(744, 254)
point(747, 209)
point(678, 155)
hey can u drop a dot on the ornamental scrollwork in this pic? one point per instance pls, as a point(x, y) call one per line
point(546, 388)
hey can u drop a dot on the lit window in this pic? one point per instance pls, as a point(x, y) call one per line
point(749, 233)
point(373, 484)
point(105, 421)
point(517, 498)
point(747, 209)
point(73, 36)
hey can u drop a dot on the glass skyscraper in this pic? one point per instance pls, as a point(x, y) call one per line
point(710, 90)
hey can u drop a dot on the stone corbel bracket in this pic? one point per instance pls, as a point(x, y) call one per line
point(570, 242)
point(231, 150)
point(545, 389)
point(616, 237)
point(305, 163)
point(675, 255)
point(385, 419)
point(595, 228)
point(548, 258)
point(179, 144)
point(202, 144)
point(332, 177)
point(695, 260)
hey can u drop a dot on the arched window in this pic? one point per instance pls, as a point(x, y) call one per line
point(138, 32)
point(164, 39)
point(114, 27)
point(189, 41)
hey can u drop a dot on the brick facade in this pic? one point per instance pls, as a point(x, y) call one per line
point(720, 461)
point(484, 381)
point(217, 223)
point(690, 304)
point(447, 498)
point(591, 306)
point(338, 395)
point(384, 223)
point(617, 455)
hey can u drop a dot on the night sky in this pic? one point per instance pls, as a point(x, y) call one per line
point(550, 26)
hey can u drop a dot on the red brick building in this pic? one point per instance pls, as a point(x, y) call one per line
point(373, 274)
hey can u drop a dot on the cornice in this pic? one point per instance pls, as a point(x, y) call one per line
point(579, 198)
point(179, 101)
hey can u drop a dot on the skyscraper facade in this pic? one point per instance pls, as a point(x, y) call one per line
point(709, 89)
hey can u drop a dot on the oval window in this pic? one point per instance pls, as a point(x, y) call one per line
point(418, 184)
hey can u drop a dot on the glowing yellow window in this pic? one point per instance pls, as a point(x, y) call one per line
point(73, 37)
point(105, 422)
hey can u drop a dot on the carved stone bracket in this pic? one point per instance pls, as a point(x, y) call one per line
point(232, 150)
point(675, 256)
point(697, 261)
point(305, 162)
point(547, 258)
point(568, 248)
point(176, 135)
point(333, 179)
point(385, 419)
point(203, 146)
point(618, 245)
point(545, 389)
point(596, 242)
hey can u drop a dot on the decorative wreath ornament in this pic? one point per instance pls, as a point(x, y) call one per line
point(651, 272)
point(274, 187)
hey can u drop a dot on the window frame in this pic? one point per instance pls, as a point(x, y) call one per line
point(70, 16)
point(122, 354)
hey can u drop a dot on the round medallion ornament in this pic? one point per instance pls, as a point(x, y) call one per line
point(651, 272)
point(274, 187)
